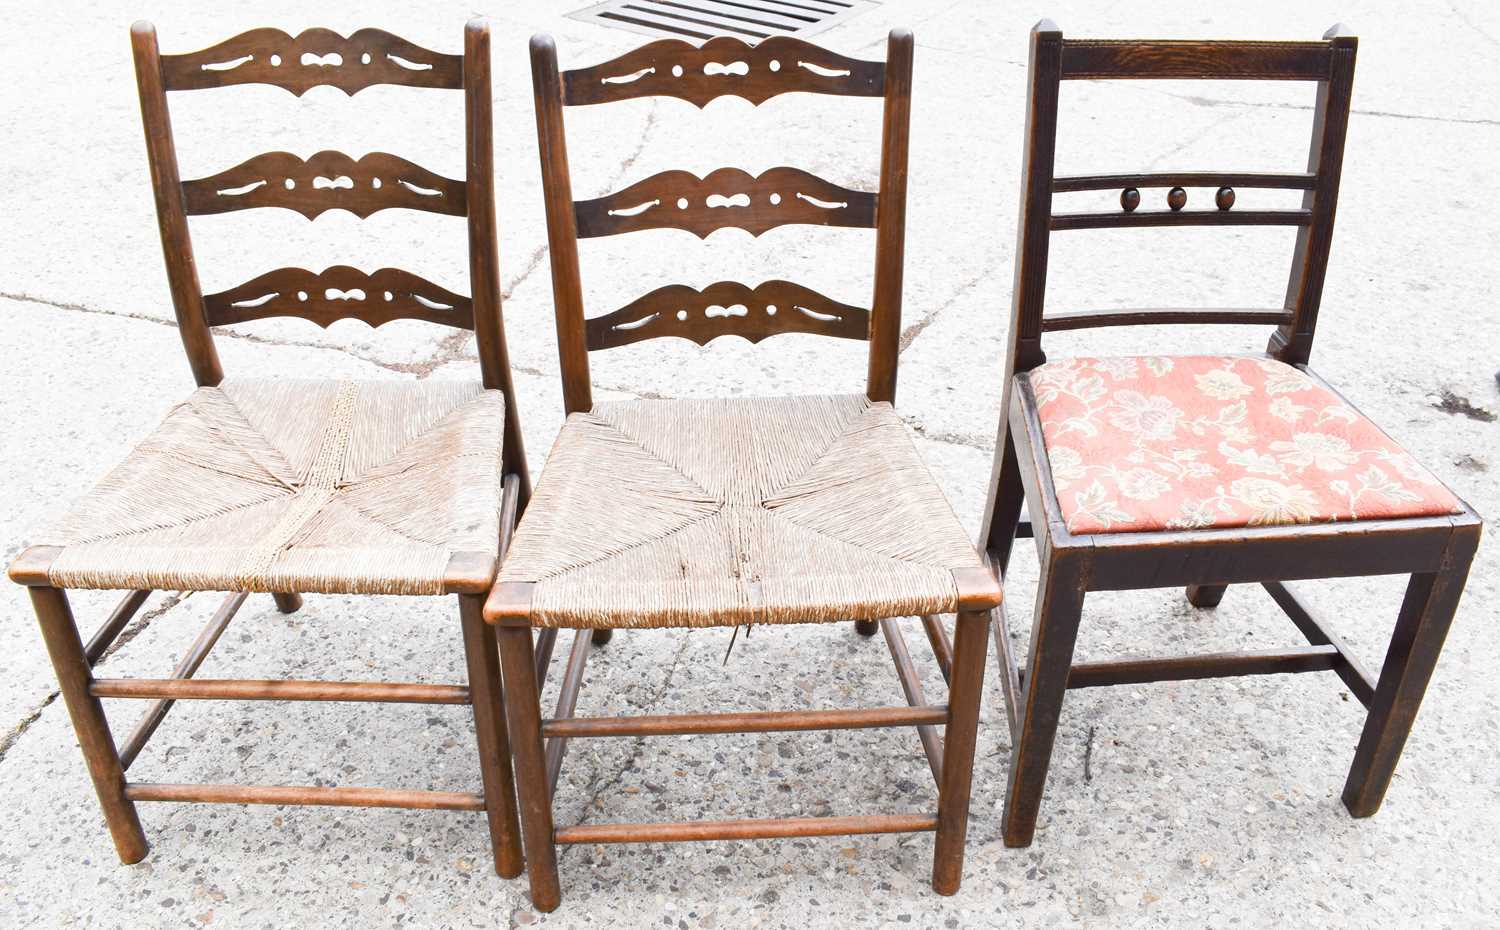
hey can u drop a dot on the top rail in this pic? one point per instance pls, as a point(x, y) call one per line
point(313, 57)
point(1096, 59)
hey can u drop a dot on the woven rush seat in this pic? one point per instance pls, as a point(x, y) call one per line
point(1143, 443)
point(693, 513)
point(286, 485)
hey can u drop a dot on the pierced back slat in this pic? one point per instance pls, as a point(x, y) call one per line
point(752, 313)
point(1115, 59)
point(727, 197)
point(312, 58)
point(723, 67)
point(338, 293)
point(326, 181)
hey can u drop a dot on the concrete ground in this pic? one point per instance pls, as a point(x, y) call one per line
point(1193, 804)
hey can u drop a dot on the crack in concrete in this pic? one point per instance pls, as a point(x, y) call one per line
point(22, 297)
point(136, 628)
point(981, 443)
point(19, 730)
point(910, 333)
point(1385, 114)
point(599, 786)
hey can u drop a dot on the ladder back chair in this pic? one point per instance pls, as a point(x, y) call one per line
point(1155, 471)
point(293, 486)
point(720, 512)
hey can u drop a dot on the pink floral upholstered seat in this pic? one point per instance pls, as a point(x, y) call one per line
point(1186, 442)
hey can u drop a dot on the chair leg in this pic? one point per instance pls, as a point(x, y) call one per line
point(603, 635)
point(1206, 595)
point(867, 627)
point(1054, 630)
point(288, 603)
point(964, 694)
point(490, 730)
point(1426, 613)
point(60, 633)
point(523, 708)
point(1005, 507)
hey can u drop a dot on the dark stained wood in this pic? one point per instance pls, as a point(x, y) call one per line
point(1359, 682)
point(1059, 607)
point(484, 250)
point(911, 686)
point(942, 646)
point(1156, 218)
point(326, 181)
point(313, 58)
point(770, 721)
point(339, 293)
point(1176, 199)
point(287, 603)
point(278, 689)
point(523, 712)
point(727, 308)
point(567, 701)
point(546, 641)
point(1436, 551)
point(890, 234)
point(1010, 675)
point(562, 231)
point(1105, 182)
point(176, 243)
point(1210, 665)
point(1421, 627)
point(482, 655)
point(185, 668)
point(111, 628)
point(469, 573)
point(310, 796)
point(1154, 316)
point(723, 67)
point(1096, 59)
point(60, 633)
point(1130, 198)
point(1292, 342)
point(724, 198)
point(766, 829)
point(964, 695)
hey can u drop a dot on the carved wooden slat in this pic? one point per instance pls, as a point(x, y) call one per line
point(1091, 59)
point(337, 293)
point(723, 67)
point(727, 308)
point(326, 181)
point(314, 57)
point(726, 197)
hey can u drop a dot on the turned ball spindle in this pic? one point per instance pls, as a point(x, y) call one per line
point(1130, 198)
point(1224, 198)
point(1176, 198)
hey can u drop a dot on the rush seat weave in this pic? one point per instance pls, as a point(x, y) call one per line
point(292, 485)
point(693, 513)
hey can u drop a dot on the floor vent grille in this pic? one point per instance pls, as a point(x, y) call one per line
point(751, 20)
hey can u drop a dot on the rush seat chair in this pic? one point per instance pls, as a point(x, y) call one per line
point(293, 486)
point(719, 512)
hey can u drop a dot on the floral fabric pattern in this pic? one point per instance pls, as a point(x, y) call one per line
point(1190, 442)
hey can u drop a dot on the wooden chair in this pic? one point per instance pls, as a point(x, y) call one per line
point(698, 513)
point(1146, 472)
point(291, 487)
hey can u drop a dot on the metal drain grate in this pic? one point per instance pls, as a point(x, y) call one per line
point(704, 19)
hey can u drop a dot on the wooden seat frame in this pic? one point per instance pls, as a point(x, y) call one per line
point(1435, 550)
point(269, 56)
point(679, 200)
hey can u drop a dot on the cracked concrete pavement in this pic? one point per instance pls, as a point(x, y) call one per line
point(1199, 803)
